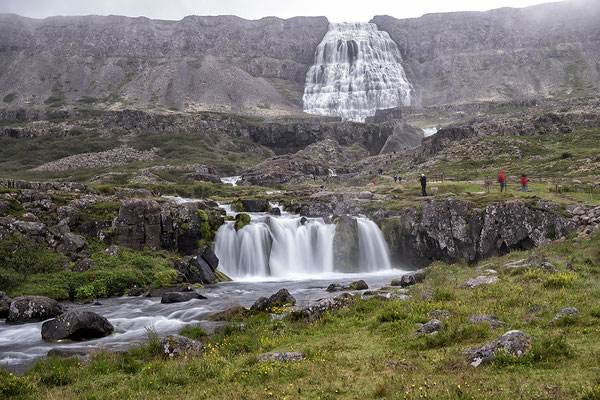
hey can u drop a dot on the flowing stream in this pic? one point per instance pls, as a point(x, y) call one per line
point(268, 254)
point(357, 71)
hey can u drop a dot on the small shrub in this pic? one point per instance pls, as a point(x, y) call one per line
point(193, 332)
point(566, 155)
point(11, 385)
point(561, 280)
point(444, 295)
point(391, 315)
point(54, 371)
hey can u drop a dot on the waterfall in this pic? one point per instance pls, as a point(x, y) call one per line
point(290, 246)
point(373, 251)
point(357, 70)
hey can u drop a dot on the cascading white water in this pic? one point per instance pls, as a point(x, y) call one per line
point(291, 246)
point(357, 71)
point(373, 251)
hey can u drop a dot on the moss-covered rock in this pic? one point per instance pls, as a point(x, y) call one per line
point(241, 220)
point(345, 245)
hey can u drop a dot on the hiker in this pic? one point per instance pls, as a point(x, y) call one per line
point(395, 178)
point(423, 180)
point(523, 183)
point(374, 180)
point(399, 179)
point(502, 180)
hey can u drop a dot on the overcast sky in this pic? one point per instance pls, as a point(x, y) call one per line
point(335, 10)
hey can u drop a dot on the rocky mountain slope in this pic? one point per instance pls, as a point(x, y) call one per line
point(259, 67)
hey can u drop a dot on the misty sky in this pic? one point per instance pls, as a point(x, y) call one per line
point(335, 10)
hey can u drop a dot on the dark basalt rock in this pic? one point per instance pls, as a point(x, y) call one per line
point(32, 309)
point(180, 297)
point(412, 278)
point(263, 304)
point(283, 297)
point(160, 292)
point(228, 314)
point(77, 325)
point(194, 270)
point(4, 305)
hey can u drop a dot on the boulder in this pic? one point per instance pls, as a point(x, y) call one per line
point(515, 343)
point(359, 285)
point(262, 304)
point(174, 346)
point(136, 291)
point(32, 309)
point(365, 195)
point(336, 287)
point(430, 327)
point(283, 297)
point(427, 295)
point(210, 257)
point(228, 314)
point(4, 305)
point(282, 357)
point(275, 211)
point(409, 279)
point(491, 320)
point(251, 205)
point(160, 292)
point(180, 297)
point(77, 325)
point(565, 312)
point(480, 280)
point(70, 243)
point(324, 306)
point(194, 269)
point(138, 224)
point(241, 220)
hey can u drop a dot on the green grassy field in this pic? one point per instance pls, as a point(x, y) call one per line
point(369, 351)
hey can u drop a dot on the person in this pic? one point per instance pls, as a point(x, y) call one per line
point(395, 178)
point(523, 183)
point(502, 180)
point(399, 179)
point(374, 180)
point(423, 180)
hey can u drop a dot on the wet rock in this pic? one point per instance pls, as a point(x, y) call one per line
point(275, 211)
point(345, 245)
point(283, 297)
point(324, 306)
point(336, 287)
point(194, 269)
point(439, 314)
point(160, 292)
point(228, 314)
point(241, 220)
point(4, 304)
point(77, 325)
point(263, 304)
point(489, 319)
point(84, 265)
point(430, 327)
point(410, 279)
point(359, 285)
point(180, 297)
point(480, 280)
point(32, 309)
point(427, 295)
point(515, 343)
point(137, 291)
point(174, 346)
point(282, 357)
point(210, 257)
point(565, 312)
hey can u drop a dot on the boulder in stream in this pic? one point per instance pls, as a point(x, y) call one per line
point(283, 297)
point(180, 297)
point(77, 325)
point(4, 305)
point(26, 309)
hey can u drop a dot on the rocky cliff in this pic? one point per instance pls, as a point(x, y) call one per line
point(218, 63)
point(550, 50)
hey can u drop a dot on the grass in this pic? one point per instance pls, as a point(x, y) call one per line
point(368, 351)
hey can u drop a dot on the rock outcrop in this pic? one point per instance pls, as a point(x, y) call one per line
point(345, 245)
point(515, 343)
point(174, 346)
point(77, 325)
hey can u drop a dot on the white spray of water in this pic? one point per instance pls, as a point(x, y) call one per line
point(357, 70)
point(373, 251)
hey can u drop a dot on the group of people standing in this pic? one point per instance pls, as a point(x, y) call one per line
point(502, 181)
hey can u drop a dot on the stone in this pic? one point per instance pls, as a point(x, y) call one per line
point(430, 327)
point(536, 309)
point(345, 245)
point(4, 305)
point(412, 278)
point(112, 250)
point(263, 304)
point(181, 288)
point(439, 314)
point(489, 319)
point(136, 291)
point(210, 257)
point(366, 195)
point(480, 280)
point(228, 314)
point(336, 287)
point(174, 346)
point(180, 297)
point(427, 295)
point(565, 312)
point(70, 243)
point(515, 343)
point(329, 305)
point(26, 309)
point(282, 357)
point(84, 265)
point(283, 297)
point(194, 269)
point(77, 325)
point(138, 224)
point(359, 285)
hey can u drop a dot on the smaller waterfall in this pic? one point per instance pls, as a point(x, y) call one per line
point(373, 251)
point(429, 131)
point(232, 180)
point(332, 172)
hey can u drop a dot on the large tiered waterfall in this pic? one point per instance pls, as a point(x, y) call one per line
point(357, 71)
point(290, 246)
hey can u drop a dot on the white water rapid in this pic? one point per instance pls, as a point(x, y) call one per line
point(357, 71)
point(289, 246)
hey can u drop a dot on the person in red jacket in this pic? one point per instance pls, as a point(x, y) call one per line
point(523, 183)
point(502, 180)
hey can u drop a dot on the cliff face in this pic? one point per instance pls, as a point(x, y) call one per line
point(550, 50)
point(218, 63)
